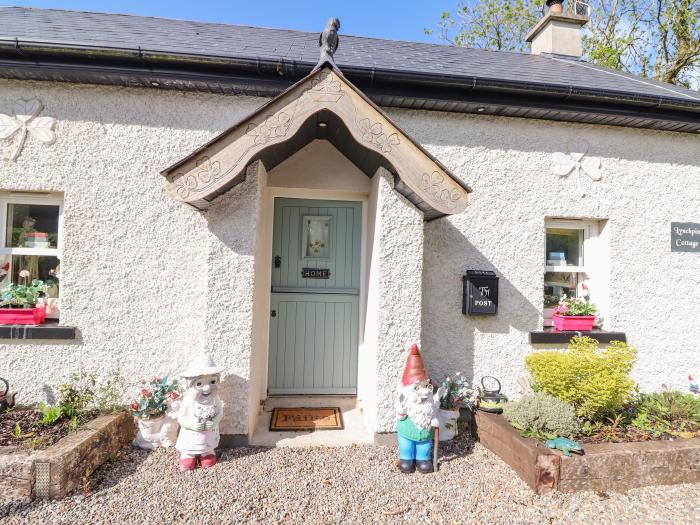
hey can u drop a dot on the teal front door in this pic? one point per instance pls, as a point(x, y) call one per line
point(315, 297)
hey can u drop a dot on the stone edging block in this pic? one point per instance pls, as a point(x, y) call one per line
point(54, 472)
point(604, 467)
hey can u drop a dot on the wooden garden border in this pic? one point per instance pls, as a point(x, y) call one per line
point(605, 467)
point(54, 472)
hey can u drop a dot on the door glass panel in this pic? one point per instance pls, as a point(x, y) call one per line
point(32, 226)
point(564, 247)
point(317, 238)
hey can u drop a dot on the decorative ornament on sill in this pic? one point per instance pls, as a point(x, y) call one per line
point(564, 164)
point(27, 122)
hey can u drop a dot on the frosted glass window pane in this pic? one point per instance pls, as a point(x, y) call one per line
point(317, 237)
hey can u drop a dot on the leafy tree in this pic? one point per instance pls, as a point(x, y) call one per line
point(492, 24)
point(658, 39)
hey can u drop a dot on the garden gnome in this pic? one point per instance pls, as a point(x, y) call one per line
point(417, 409)
point(200, 413)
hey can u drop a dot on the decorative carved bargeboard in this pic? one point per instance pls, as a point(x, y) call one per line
point(202, 176)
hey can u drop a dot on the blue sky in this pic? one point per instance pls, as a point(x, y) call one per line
point(401, 20)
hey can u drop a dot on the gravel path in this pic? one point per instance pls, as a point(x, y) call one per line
point(342, 485)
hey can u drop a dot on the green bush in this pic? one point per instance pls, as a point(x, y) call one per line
point(50, 415)
point(595, 381)
point(82, 397)
point(669, 406)
point(542, 415)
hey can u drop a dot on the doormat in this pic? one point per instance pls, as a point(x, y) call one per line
point(309, 418)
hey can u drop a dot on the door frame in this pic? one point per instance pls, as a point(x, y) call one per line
point(272, 192)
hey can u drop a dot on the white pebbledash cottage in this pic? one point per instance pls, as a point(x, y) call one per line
point(309, 245)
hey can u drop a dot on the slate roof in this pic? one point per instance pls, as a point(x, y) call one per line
point(459, 67)
point(186, 37)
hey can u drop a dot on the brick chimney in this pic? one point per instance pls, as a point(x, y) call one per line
point(558, 33)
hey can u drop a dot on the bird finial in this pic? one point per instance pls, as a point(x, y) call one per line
point(328, 41)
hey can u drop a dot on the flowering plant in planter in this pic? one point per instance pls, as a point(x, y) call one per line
point(19, 302)
point(154, 398)
point(455, 393)
point(574, 314)
point(23, 295)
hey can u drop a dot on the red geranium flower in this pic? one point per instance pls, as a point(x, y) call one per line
point(133, 406)
point(172, 395)
point(145, 393)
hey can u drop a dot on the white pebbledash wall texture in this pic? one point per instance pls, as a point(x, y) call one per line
point(141, 273)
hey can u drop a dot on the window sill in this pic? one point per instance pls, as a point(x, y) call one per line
point(49, 330)
point(553, 336)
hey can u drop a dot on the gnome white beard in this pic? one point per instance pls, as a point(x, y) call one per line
point(420, 412)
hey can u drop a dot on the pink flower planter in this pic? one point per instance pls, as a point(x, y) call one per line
point(22, 315)
point(576, 323)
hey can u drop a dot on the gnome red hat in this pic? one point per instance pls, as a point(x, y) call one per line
point(414, 371)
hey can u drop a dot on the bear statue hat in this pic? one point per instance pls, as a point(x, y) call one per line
point(201, 365)
point(414, 371)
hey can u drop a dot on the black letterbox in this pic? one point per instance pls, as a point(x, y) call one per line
point(480, 293)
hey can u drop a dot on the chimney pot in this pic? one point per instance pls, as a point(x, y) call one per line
point(555, 6)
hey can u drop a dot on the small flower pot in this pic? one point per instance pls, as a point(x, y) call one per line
point(34, 315)
point(576, 323)
point(448, 424)
point(156, 432)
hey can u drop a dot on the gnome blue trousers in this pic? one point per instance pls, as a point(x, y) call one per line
point(415, 450)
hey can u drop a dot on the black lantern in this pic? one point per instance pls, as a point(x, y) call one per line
point(490, 399)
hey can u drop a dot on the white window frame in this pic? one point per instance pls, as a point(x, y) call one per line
point(57, 252)
point(593, 262)
point(37, 201)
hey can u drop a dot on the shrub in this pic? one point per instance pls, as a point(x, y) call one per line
point(669, 406)
point(541, 415)
point(50, 415)
point(596, 382)
point(81, 398)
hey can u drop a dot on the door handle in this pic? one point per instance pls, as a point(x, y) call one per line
point(273, 313)
point(278, 261)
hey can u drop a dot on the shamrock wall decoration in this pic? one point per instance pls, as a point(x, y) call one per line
point(27, 122)
point(574, 161)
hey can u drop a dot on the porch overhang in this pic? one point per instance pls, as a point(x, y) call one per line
point(322, 105)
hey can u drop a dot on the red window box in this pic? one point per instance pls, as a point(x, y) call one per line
point(575, 323)
point(23, 315)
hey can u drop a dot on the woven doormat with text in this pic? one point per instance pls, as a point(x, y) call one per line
point(308, 418)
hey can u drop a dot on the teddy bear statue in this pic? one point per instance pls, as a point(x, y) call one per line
point(201, 410)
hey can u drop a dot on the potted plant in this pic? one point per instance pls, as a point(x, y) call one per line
point(23, 303)
point(154, 410)
point(455, 393)
point(574, 314)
